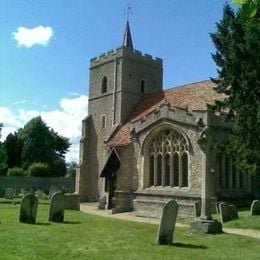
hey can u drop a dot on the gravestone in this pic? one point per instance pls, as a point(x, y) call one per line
point(255, 208)
point(167, 223)
point(217, 207)
point(72, 201)
point(9, 193)
point(28, 209)
point(56, 213)
point(52, 190)
point(102, 202)
point(227, 212)
point(39, 194)
point(233, 211)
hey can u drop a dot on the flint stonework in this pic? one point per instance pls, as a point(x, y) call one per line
point(56, 213)
point(167, 224)
point(28, 209)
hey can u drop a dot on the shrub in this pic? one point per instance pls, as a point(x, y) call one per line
point(16, 171)
point(38, 169)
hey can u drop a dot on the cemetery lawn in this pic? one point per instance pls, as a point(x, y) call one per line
point(84, 236)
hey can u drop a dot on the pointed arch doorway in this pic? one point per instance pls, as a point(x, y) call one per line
point(109, 172)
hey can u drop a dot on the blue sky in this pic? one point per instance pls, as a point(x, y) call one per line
point(45, 48)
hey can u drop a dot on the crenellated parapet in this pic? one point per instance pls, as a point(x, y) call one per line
point(125, 52)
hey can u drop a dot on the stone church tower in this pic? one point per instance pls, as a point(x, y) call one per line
point(142, 146)
point(118, 79)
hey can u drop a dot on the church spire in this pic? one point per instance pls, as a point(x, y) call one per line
point(127, 41)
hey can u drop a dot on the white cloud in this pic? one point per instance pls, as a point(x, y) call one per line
point(30, 36)
point(66, 121)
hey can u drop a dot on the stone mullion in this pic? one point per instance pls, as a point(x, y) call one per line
point(163, 169)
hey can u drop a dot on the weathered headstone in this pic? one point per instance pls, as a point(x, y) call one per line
point(102, 202)
point(56, 213)
point(167, 223)
point(28, 209)
point(233, 211)
point(72, 201)
point(217, 206)
point(52, 190)
point(255, 208)
point(39, 194)
point(9, 193)
point(227, 212)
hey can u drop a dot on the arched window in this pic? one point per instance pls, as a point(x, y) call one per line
point(169, 159)
point(184, 169)
point(176, 169)
point(104, 85)
point(142, 86)
point(167, 169)
point(159, 170)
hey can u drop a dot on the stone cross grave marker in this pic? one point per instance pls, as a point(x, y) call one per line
point(167, 223)
point(9, 193)
point(227, 212)
point(28, 209)
point(56, 213)
point(255, 208)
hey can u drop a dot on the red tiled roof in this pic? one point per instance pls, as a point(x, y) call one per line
point(193, 96)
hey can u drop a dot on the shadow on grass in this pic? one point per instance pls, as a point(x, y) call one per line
point(43, 224)
point(178, 244)
point(71, 222)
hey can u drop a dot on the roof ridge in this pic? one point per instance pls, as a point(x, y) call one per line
point(187, 85)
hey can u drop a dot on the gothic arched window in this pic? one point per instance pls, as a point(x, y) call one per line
point(168, 159)
point(104, 85)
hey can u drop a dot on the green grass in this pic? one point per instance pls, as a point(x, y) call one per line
point(245, 221)
point(84, 236)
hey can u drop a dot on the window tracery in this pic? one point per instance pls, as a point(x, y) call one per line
point(169, 159)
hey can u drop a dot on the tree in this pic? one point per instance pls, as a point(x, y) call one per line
point(237, 57)
point(3, 158)
point(249, 7)
point(36, 143)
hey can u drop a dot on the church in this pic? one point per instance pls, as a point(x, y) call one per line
point(142, 145)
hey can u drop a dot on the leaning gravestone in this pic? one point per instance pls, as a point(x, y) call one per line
point(255, 208)
point(9, 193)
point(56, 213)
point(28, 209)
point(227, 212)
point(167, 224)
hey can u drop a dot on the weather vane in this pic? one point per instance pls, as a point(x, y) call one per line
point(128, 11)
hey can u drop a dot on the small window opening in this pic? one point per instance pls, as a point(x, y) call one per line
point(142, 86)
point(103, 121)
point(104, 85)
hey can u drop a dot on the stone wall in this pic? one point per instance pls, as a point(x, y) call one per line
point(42, 183)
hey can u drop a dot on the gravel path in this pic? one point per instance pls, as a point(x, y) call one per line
point(91, 208)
